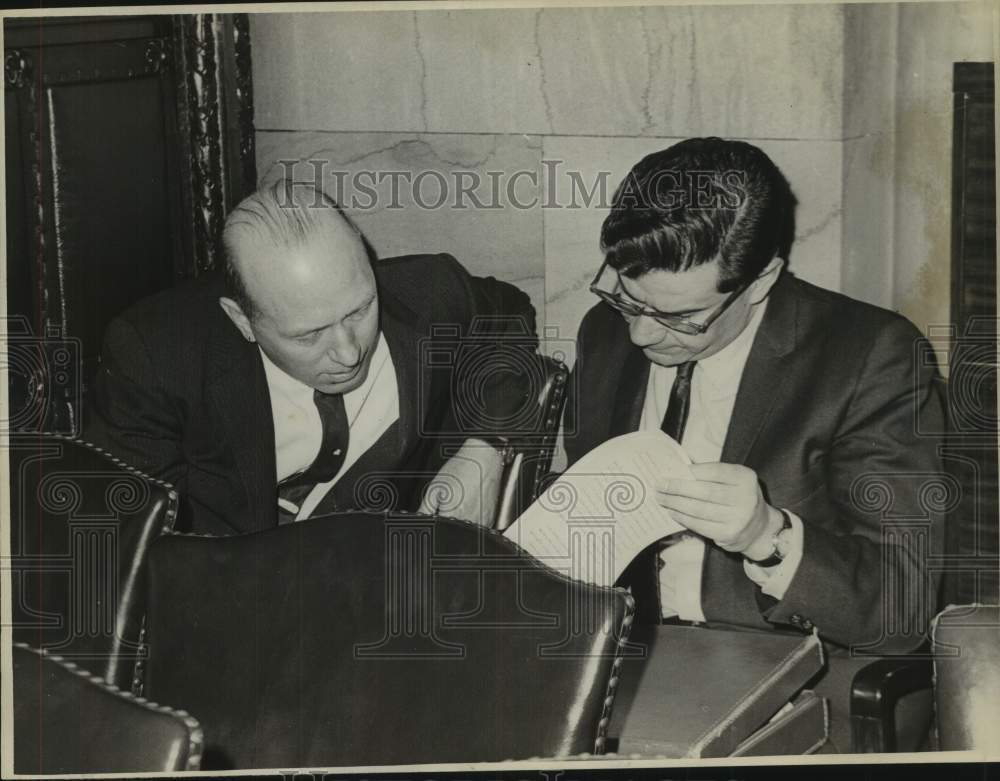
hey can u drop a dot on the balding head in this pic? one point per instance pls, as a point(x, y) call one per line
point(281, 216)
point(301, 284)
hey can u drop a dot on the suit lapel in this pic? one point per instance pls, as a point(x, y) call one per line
point(727, 594)
point(238, 389)
point(401, 327)
point(764, 374)
point(633, 376)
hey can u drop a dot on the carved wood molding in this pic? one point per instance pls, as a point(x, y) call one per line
point(17, 67)
point(244, 96)
point(215, 112)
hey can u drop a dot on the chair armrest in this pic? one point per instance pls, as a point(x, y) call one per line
point(510, 477)
point(543, 483)
point(875, 691)
point(528, 457)
point(67, 720)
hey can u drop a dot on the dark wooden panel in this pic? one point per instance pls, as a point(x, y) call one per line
point(105, 61)
point(19, 284)
point(973, 76)
point(108, 167)
point(973, 533)
point(974, 195)
point(127, 139)
point(91, 212)
point(56, 31)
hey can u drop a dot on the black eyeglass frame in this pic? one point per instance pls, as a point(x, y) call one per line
point(673, 322)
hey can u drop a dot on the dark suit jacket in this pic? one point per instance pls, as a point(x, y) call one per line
point(181, 395)
point(828, 414)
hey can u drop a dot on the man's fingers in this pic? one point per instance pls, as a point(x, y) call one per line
point(697, 525)
point(717, 493)
point(696, 508)
point(717, 472)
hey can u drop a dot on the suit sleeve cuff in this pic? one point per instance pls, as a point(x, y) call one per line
point(774, 581)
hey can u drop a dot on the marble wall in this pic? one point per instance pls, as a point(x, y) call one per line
point(852, 101)
point(542, 100)
point(897, 145)
point(405, 192)
point(753, 71)
point(936, 37)
point(869, 152)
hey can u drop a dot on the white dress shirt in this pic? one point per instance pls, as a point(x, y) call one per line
point(298, 431)
point(714, 384)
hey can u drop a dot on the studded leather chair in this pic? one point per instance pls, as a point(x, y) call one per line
point(530, 457)
point(81, 522)
point(69, 721)
point(379, 639)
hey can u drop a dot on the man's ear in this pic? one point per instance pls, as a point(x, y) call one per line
point(240, 320)
point(767, 279)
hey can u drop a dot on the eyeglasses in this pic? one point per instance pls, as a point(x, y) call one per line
point(677, 323)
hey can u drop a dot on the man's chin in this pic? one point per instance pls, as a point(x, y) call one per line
point(330, 384)
point(668, 357)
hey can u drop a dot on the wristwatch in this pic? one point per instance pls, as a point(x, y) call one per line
point(779, 543)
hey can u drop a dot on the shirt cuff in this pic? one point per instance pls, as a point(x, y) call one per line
point(682, 561)
point(774, 581)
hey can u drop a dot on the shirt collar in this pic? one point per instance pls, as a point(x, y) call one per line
point(721, 371)
point(279, 380)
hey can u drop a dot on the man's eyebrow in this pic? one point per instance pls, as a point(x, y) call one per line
point(307, 331)
point(364, 305)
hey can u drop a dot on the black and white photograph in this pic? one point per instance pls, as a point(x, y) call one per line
point(486, 387)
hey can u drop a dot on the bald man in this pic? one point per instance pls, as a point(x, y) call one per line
point(297, 383)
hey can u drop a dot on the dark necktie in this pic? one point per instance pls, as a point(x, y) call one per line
point(332, 452)
point(676, 415)
point(643, 574)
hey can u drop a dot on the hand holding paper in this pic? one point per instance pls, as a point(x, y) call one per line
point(599, 514)
point(723, 503)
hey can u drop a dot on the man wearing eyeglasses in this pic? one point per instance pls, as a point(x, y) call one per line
point(793, 402)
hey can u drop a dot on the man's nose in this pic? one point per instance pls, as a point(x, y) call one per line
point(343, 347)
point(645, 331)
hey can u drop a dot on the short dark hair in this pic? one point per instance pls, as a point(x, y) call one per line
point(285, 213)
point(697, 200)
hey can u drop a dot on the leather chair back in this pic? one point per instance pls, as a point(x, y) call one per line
point(379, 639)
point(67, 721)
point(532, 454)
point(81, 522)
point(967, 677)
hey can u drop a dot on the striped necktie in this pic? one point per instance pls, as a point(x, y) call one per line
point(643, 574)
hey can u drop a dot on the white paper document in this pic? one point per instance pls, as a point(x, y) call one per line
point(599, 514)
